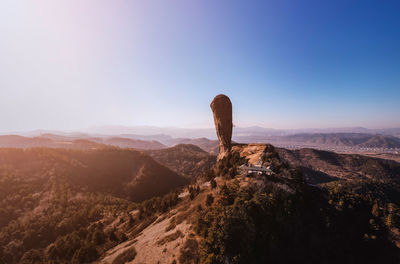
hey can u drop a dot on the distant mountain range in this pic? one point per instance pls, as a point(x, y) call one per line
point(343, 139)
point(15, 141)
point(129, 137)
point(83, 142)
point(237, 131)
point(151, 132)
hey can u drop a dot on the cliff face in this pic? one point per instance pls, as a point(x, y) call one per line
point(222, 110)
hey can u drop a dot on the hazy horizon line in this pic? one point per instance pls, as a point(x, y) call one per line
point(87, 129)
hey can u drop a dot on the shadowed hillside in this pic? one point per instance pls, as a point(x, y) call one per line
point(205, 144)
point(123, 173)
point(323, 166)
point(49, 195)
point(188, 160)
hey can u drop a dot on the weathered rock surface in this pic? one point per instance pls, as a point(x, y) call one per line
point(222, 110)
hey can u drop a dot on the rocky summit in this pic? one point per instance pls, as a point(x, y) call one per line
point(222, 110)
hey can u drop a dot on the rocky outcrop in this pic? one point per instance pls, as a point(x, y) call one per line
point(222, 110)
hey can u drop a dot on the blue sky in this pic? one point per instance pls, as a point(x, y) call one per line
point(285, 64)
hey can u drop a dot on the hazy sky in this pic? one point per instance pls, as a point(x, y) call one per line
point(285, 64)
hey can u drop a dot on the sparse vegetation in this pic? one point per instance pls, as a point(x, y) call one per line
point(170, 237)
point(126, 256)
point(189, 253)
point(193, 191)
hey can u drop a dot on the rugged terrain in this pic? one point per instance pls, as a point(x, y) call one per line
point(70, 206)
point(50, 194)
point(228, 217)
point(321, 166)
point(205, 144)
point(188, 160)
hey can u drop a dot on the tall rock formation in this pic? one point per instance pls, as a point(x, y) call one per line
point(222, 110)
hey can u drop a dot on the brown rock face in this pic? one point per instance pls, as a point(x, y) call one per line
point(222, 110)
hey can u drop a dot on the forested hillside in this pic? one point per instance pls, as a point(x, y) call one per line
point(231, 217)
point(57, 196)
point(186, 159)
point(65, 206)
